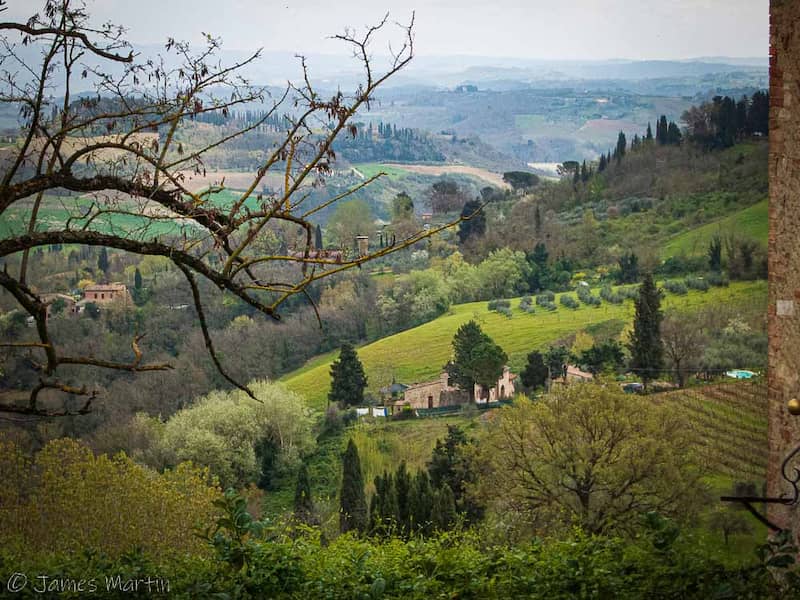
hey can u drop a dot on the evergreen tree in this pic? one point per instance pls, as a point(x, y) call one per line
point(347, 378)
point(421, 503)
point(661, 130)
point(318, 238)
point(475, 225)
point(477, 359)
point(267, 451)
point(535, 373)
point(402, 489)
point(537, 222)
point(673, 134)
point(584, 172)
point(539, 274)
point(645, 345)
point(715, 254)
point(137, 279)
point(649, 135)
point(451, 466)
point(444, 509)
point(383, 505)
point(102, 261)
point(628, 268)
point(352, 502)
point(622, 145)
point(303, 502)
point(602, 164)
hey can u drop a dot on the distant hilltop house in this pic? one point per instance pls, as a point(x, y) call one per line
point(439, 392)
point(106, 293)
point(332, 256)
point(572, 374)
point(68, 302)
point(466, 88)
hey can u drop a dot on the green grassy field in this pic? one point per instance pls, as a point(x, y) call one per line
point(751, 222)
point(56, 211)
point(419, 354)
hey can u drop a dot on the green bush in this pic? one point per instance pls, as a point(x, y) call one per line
point(568, 301)
point(676, 287)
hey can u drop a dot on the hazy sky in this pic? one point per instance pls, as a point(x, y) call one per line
point(557, 29)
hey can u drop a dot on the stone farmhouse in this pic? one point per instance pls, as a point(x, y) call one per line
point(439, 392)
point(107, 293)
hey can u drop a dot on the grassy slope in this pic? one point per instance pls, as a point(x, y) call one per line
point(751, 222)
point(418, 354)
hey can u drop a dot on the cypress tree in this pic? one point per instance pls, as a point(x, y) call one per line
point(102, 260)
point(137, 279)
point(444, 509)
point(622, 144)
point(715, 254)
point(318, 238)
point(649, 136)
point(601, 166)
point(402, 487)
point(303, 502)
point(347, 378)
point(537, 222)
point(353, 503)
point(421, 503)
point(661, 130)
point(674, 134)
point(645, 346)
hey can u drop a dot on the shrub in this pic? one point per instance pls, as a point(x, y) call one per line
point(629, 293)
point(697, 283)
point(545, 297)
point(568, 301)
point(585, 296)
point(498, 305)
point(718, 280)
point(607, 294)
point(675, 287)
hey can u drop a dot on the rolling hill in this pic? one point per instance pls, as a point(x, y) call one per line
point(418, 354)
point(751, 222)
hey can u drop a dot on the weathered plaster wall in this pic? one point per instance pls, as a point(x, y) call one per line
point(784, 246)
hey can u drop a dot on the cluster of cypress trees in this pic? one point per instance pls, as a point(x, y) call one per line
point(405, 504)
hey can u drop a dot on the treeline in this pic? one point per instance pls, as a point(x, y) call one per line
point(717, 124)
point(724, 121)
point(386, 142)
point(245, 118)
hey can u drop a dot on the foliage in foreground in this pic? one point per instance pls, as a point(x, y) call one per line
point(588, 455)
point(66, 499)
point(256, 561)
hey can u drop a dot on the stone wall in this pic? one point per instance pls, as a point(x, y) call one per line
point(784, 247)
